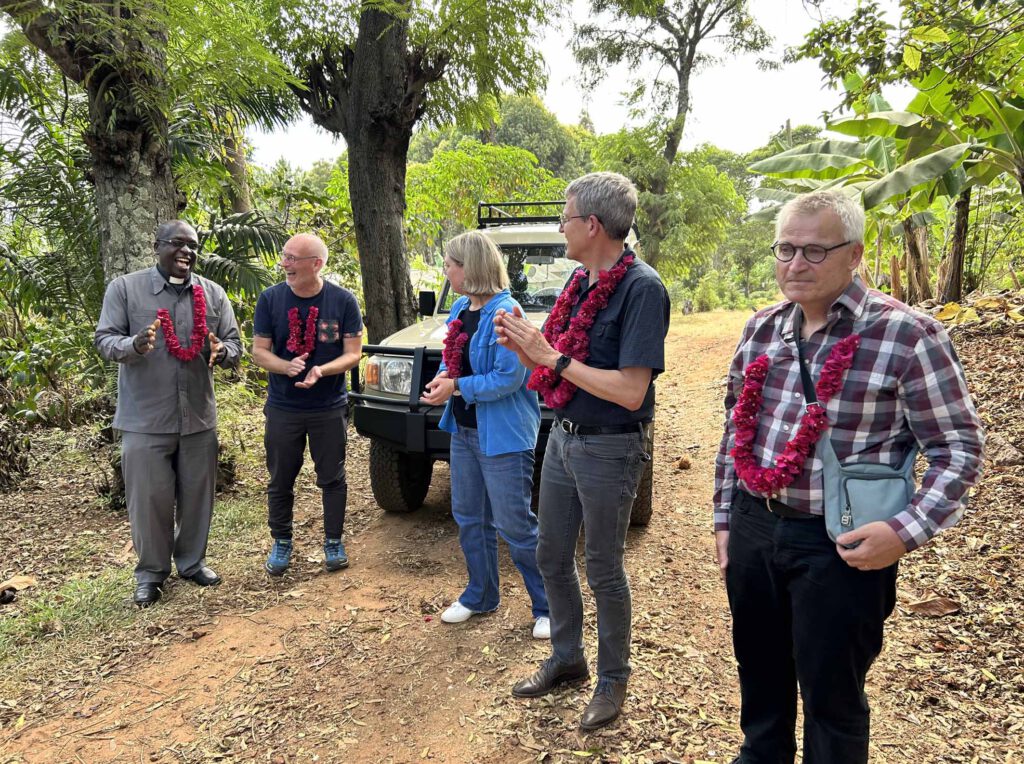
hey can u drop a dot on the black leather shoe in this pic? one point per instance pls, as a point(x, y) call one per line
point(548, 677)
point(605, 706)
point(204, 577)
point(146, 594)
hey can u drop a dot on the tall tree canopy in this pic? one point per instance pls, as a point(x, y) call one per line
point(140, 67)
point(371, 72)
point(663, 42)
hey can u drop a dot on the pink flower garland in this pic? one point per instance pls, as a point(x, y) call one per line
point(770, 481)
point(573, 340)
point(454, 343)
point(198, 328)
point(304, 344)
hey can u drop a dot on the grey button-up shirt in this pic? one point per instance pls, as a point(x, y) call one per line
point(157, 393)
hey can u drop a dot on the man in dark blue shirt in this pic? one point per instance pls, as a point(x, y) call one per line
point(307, 334)
point(595, 365)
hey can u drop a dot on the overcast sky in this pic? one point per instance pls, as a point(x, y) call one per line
point(734, 104)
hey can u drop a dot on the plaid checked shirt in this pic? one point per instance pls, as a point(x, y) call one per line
point(906, 383)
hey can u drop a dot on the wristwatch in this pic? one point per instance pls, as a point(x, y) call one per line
point(561, 363)
point(457, 391)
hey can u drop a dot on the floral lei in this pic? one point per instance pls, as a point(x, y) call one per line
point(297, 343)
point(771, 480)
point(198, 328)
point(569, 335)
point(454, 343)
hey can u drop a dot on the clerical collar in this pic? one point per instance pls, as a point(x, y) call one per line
point(173, 280)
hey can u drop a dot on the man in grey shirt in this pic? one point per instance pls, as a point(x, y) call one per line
point(152, 324)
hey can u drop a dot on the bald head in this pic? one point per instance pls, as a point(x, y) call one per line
point(307, 245)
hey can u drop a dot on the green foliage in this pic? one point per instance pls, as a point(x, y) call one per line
point(463, 54)
point(705, 296)
point(526, 123)
point(696, 208)
point(442, 195)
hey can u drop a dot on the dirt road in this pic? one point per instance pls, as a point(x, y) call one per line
point(357, 667)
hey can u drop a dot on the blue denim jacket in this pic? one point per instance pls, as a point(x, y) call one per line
point(507, 414)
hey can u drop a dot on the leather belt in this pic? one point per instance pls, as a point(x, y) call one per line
point(572, 428)
point(779, 509)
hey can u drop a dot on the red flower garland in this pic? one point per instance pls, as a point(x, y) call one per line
point(199, 329)
point(296, 342)
point(454, 343)
point(788, 465)
point(569, 336)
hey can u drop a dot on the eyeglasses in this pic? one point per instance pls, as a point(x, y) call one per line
point(286, 258)
point(813, 253)
point(195, 246)
point(563, 219)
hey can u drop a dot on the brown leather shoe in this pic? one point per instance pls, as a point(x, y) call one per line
point(548, 677)
point(605, 706)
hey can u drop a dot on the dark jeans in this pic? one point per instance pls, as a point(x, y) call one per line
point(285, 438)
point(801, 616)
point(589, 480)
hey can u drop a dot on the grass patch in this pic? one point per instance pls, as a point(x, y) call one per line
point(79, 610)
point(238, 519)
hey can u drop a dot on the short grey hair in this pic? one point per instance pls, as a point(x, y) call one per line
point(608, 196)
point(485, 272)
point(849, 212)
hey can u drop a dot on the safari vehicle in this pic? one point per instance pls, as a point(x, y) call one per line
point(405, 439)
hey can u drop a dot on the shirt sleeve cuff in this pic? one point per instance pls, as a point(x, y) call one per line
point(910, 530)
point(721, 519)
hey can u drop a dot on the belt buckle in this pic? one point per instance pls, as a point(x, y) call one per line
point(567, 427)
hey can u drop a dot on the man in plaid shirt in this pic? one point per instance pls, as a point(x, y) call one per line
point(808, 611)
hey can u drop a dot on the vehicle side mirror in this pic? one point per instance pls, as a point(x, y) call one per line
point(428, 302)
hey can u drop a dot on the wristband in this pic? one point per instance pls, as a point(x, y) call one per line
point(561, 363)
point(457, 391)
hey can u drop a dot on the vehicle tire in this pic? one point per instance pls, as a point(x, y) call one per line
point(399, 480)
point(643, 504)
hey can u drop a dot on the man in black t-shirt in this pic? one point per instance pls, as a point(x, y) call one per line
point(607, 347)
point(307, 334)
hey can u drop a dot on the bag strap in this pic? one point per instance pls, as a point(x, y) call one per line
point(810, 394)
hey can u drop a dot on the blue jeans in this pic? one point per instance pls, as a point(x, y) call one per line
point(491, 496)
point(589, 480)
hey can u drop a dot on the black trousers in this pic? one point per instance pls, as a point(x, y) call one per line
point(285, 437)
point(801, 617)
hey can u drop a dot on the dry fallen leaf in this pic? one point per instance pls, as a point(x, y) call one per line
point(935, 607)
point(18, 583)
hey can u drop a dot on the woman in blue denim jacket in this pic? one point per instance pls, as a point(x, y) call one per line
point(493, 420)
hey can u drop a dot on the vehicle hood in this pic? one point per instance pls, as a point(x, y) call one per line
point(430, 332)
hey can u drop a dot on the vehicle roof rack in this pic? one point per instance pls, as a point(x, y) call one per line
point(512, 213)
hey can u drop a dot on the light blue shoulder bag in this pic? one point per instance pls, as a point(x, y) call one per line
point(857, 494)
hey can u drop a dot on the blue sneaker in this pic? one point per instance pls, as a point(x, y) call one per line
point(334, 555)
point(280, 557)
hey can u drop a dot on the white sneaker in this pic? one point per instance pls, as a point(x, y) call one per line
point(542, 628)
point(457, 613)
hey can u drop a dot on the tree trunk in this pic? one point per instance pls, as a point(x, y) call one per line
point(378, 135)
point(134, 193)
point(951, 281)
point(897, 281)
point(236, 164)
point(373, 94)
point(918, 288)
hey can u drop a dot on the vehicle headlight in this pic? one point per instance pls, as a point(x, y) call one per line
point(396, 375)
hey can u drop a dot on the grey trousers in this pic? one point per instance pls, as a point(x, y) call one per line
point(589, 480)
point(169, 483)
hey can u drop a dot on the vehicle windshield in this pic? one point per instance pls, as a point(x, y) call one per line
point(536, 275)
